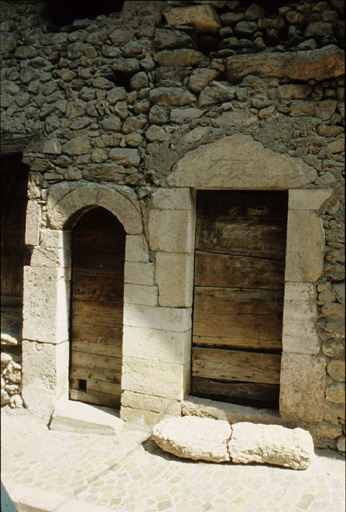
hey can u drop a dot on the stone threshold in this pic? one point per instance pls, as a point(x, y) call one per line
point(73, 416)
point(233, 413)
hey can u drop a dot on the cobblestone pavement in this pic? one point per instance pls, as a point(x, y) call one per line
point(128, 472)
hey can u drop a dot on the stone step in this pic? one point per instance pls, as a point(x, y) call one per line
point(73, 416)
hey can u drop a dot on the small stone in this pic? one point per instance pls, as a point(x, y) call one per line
point(99, 155)
point(336, 369)
point(16, 401)
point(125, 156)
point(158, 115)
point(52, 147)
point(182, 57)
point(77, 146)
point(173, 96)
point(111, 123)
point(245, 28)
point(341, 444)
point(200, 78)
point(139, 81)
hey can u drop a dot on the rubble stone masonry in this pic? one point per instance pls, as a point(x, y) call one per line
point(135, 111)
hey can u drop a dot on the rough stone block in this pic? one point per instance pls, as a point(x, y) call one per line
point(136, 248)
point(154, 377)
point(174, 277)
point(50, 257)
point(139, 273)
point(125, 156)
point(32, 223)
point(172, 199)
point(305, 246)
point(194, 438)
point(157, 344)
point(271, 444)
point(170, 319)
point(299, 320)
point(336, 370)
point(239, 162)
point(302, 387)
point(308, 199)
point(140, 294)
point(44, 376)
point(46, 304)
point(172, 231)
point(150, 403)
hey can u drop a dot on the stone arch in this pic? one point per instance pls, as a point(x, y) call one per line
point(239, 162)
point(65, 199)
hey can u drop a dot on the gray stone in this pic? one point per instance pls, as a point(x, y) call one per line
point(116, 94)
point(245, 28)
point(179, 115)
point(77, 146)
point(184, 57)
point(173, 96)
point(139, 81)
point(194, 438)
point(271, 444)
point(111, 123)
point(125, 156)
point(172, 39)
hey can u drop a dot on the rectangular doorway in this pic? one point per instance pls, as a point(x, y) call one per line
point(238, 296)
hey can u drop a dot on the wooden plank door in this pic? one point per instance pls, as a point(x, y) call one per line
point(238, 296)
point(98, 252)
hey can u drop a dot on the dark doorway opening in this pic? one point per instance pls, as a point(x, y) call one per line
point(96, 317)
point(238, 296)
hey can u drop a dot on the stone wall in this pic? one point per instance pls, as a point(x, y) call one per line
point(125, 100)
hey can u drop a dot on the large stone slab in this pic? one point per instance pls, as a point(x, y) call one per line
point(271, 444)
point(172, 231)
point(240, 162)
point(321, 64)
point(194, 438)
point(32, 223)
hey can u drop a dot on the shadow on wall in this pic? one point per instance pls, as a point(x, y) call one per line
point(65, 12)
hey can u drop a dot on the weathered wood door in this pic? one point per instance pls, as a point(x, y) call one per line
point(98, 251)
point(238, 296)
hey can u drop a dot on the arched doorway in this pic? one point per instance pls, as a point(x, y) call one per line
point(96, 319)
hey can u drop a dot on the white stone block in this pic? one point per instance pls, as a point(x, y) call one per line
point(32, 223)
point(50, 257)
point(140, 294)
point(305, 246)
point(174, 277)
point(168, 319)
point(55, 238)
point(150, 403)
point(173, 199)
point(308, 199)
point(44, 375)
point(136, 248)
point(172, 230)
point(46, 304)
point(141, 417)
point(154, 377)
point(156, 344)
point(139, 273)
point(299, 319)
